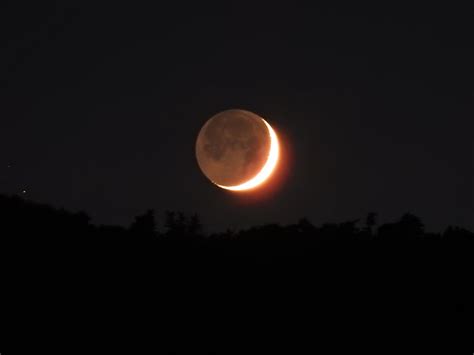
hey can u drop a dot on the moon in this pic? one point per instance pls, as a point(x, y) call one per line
point(237, 150)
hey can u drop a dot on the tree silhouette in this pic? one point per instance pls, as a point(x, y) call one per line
point(144, 224)
point(370, 222)
point(411, 224)
point(170, 222)
point(324, 271)
point(408, 228)
point(195, 226)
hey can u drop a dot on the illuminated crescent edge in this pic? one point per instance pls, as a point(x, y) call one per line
point(267, 169)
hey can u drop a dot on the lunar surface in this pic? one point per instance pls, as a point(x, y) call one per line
point(237, 150)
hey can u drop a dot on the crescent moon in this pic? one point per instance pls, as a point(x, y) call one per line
point(268, 168)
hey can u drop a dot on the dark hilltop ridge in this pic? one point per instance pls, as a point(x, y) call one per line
point(165, 283)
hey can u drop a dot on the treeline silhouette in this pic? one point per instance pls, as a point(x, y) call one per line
point(357, 280)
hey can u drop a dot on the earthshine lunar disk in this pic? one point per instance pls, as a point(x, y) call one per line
point(237, 150)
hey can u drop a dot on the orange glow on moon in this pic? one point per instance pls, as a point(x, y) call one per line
point(268, 168)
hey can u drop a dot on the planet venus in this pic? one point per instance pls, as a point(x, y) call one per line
point(237, 150)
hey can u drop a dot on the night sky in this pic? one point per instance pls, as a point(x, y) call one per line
point(101, 106)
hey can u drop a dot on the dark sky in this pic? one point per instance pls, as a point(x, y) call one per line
point(101, 105)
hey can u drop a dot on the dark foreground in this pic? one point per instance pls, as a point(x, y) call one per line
point(70, 287)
